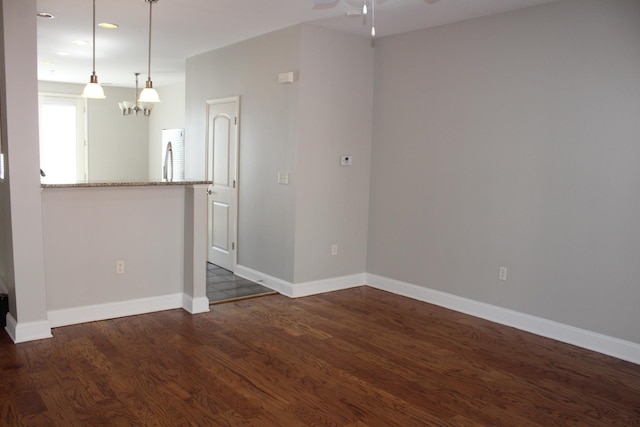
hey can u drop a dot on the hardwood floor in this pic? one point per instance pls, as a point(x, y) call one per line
point(360, 357)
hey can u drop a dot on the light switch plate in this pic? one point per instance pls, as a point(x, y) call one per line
point(283, 178)
point(346, 161)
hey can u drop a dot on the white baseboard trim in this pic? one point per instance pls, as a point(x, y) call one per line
point(328, 285)
point(195, 305)
point(29, 331)
point(600, 343)
point(270, 282)
point(112, 310)
point(296, 290)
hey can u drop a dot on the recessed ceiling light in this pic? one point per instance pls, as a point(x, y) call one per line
point(63, 53)
point(108, 26)
point(80, 42)
point(45, 15)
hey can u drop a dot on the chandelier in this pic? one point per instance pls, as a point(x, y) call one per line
point(134, 108)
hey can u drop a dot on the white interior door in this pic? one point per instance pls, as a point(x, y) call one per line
point(222, 169)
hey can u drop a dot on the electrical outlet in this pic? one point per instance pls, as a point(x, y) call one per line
point(334, 250)
point(502, 274)
point(119, 267)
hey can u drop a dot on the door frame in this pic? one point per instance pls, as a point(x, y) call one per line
point(208, 160)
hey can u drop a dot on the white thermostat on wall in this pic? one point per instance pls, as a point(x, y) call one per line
point(346, 161)
point(286, 77)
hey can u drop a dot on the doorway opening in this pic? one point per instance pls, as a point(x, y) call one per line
point(222, 170)
point(223, 119)
point(224, 286)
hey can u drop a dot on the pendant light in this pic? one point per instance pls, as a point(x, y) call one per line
point(93, 88)
point(149, 94)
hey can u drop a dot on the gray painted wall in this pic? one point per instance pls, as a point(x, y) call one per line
point(86, 230)
point(512, 140)
point(22, 253)
point(118, 146)
point(6, 245)
point(267, 140)
point(335, 118)
point(286, 231)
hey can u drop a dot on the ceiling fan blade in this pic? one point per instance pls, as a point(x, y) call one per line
point(324, 4)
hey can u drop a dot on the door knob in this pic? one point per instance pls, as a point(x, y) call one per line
point(209, 191)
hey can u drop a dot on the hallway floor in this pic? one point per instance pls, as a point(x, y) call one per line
point(224, 286)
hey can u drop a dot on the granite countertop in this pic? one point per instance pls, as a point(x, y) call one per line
point(86, 184)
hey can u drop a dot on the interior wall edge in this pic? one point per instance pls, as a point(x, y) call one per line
point(27, 331)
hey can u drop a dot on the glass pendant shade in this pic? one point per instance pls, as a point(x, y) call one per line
point(149, 94)
point(93, 89)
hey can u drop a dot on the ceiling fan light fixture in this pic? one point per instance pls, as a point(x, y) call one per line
point(368, 9)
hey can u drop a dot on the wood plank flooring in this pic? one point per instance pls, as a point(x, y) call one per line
point(359, 357)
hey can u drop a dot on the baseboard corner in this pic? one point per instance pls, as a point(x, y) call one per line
point(30, 331)
point(195, 305)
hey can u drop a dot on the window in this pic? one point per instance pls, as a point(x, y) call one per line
point(63, 153)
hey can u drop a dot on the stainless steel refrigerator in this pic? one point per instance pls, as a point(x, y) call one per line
point(173, 155)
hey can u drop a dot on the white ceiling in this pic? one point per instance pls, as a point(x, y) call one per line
point(183, 28)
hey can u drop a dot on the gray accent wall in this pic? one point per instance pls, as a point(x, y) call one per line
point(86, 230)
point(6, 246)
point(300, 128)
point(267, 140)
point(513, 140)
point(335, 117)
point(21, 259)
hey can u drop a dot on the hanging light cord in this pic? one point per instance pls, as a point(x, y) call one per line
point(373, 18)
point(94, 37)
point(150, 15)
